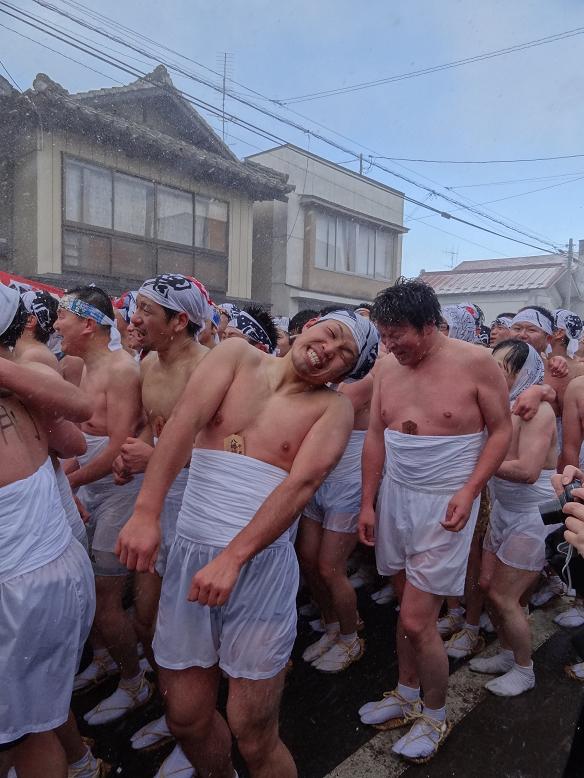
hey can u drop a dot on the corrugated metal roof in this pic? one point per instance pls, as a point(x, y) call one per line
point(454, 282)
point(472, 265)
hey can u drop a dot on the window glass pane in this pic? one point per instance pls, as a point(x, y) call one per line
point(325, 240)
point(211, 222)
point(212, 271)
point(365, 259)
point(174, 216)
point(384, 247)
point(96, 196)
point(73, 183)
point(133, 206)
point(175, 262)
point(132, 258)
point(343, 245)
point(89, 253)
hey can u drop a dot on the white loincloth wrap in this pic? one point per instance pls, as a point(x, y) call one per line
point(71, 511)
point(169, 517)
point(110, 506)
point(516, 534)
point(422, 474)
point(252, 635)
point(337, 503)
point(47, 604)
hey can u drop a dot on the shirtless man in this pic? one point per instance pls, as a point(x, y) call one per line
point(47, 597)
point(327, 536)
point(112, 379)
point(267, 433)
point(432, 401)
point(514, 547)
point(169, 314)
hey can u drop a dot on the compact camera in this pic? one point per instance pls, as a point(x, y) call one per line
point(551, 510)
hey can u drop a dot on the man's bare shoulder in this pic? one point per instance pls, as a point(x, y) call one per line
point(121, 366)
point(38, 355)
point(575, 389)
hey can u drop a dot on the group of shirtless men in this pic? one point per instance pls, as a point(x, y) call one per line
point(210, 472)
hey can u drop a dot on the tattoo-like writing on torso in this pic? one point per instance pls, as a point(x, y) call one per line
point(9, 421)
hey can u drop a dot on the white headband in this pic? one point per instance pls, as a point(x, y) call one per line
point(531, 316)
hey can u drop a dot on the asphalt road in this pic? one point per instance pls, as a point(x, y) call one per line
point(526, 737)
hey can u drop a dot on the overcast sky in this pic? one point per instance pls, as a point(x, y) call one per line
point(526, 104)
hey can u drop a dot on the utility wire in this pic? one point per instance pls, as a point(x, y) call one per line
point(5, 69)
point(480, 161)
point(435, 68)
point(272, 136)
point(293, 124)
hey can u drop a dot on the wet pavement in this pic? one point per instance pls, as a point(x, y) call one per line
point(525, 737)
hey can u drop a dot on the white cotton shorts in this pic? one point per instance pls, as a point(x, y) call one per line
point(336, 505)
point(516, 533)
point(410, 537)
point(168, 518)
point(251, 636)
point(45, 618)
point(71, 511)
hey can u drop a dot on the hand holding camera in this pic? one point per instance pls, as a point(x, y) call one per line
point(569, 486)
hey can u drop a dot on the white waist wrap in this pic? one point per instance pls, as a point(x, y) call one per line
point(431, 463)
point(33, 528)
point(223, 494)
point(350, 462)
point(518, 497)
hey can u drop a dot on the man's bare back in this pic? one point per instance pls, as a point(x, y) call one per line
point(560, 385)
point(543, 417)
point(103, 378)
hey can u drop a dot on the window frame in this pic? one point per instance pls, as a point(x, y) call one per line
point(391, 236)
point(155, 242)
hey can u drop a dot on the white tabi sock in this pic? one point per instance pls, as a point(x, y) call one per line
point(518, 680)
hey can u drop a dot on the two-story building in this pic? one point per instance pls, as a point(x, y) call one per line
point(115, 185)
point(338, 238)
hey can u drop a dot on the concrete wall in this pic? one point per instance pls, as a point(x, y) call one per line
point(293, 270)
point(37, 193)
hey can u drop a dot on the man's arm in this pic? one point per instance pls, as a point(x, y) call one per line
point(372, 461)
point(320, 451)
point(138, 541)
point(535, 438)
point(493, 401)
point(123, 412)
point(572, 430)
point(44, 391)
point(528, 402)
point(65, 438)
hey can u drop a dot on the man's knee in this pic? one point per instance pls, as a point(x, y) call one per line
point(256, 736)
point(329, 572)
point(415, 627)
point(194, 725)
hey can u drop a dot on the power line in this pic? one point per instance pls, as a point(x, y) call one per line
point(5, 69)
point(273, 137)
point(435, 68)
point(480, 161)
point(515, 181)
point(293, 124)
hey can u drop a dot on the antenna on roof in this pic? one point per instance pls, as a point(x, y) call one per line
point(225, 62)
point(453, 256)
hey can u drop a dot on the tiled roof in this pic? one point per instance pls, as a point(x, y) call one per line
point(497, 275)
point(51, 104)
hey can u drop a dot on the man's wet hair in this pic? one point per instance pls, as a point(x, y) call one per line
point(261, 315)
point(52, 305)
point(517, 356)
point(540, 309)
point(95, 296)
point(408, 301)
point(508, 314)
point(191, 328)
point(299, 319)
point(368, 306)
point(16, 327)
